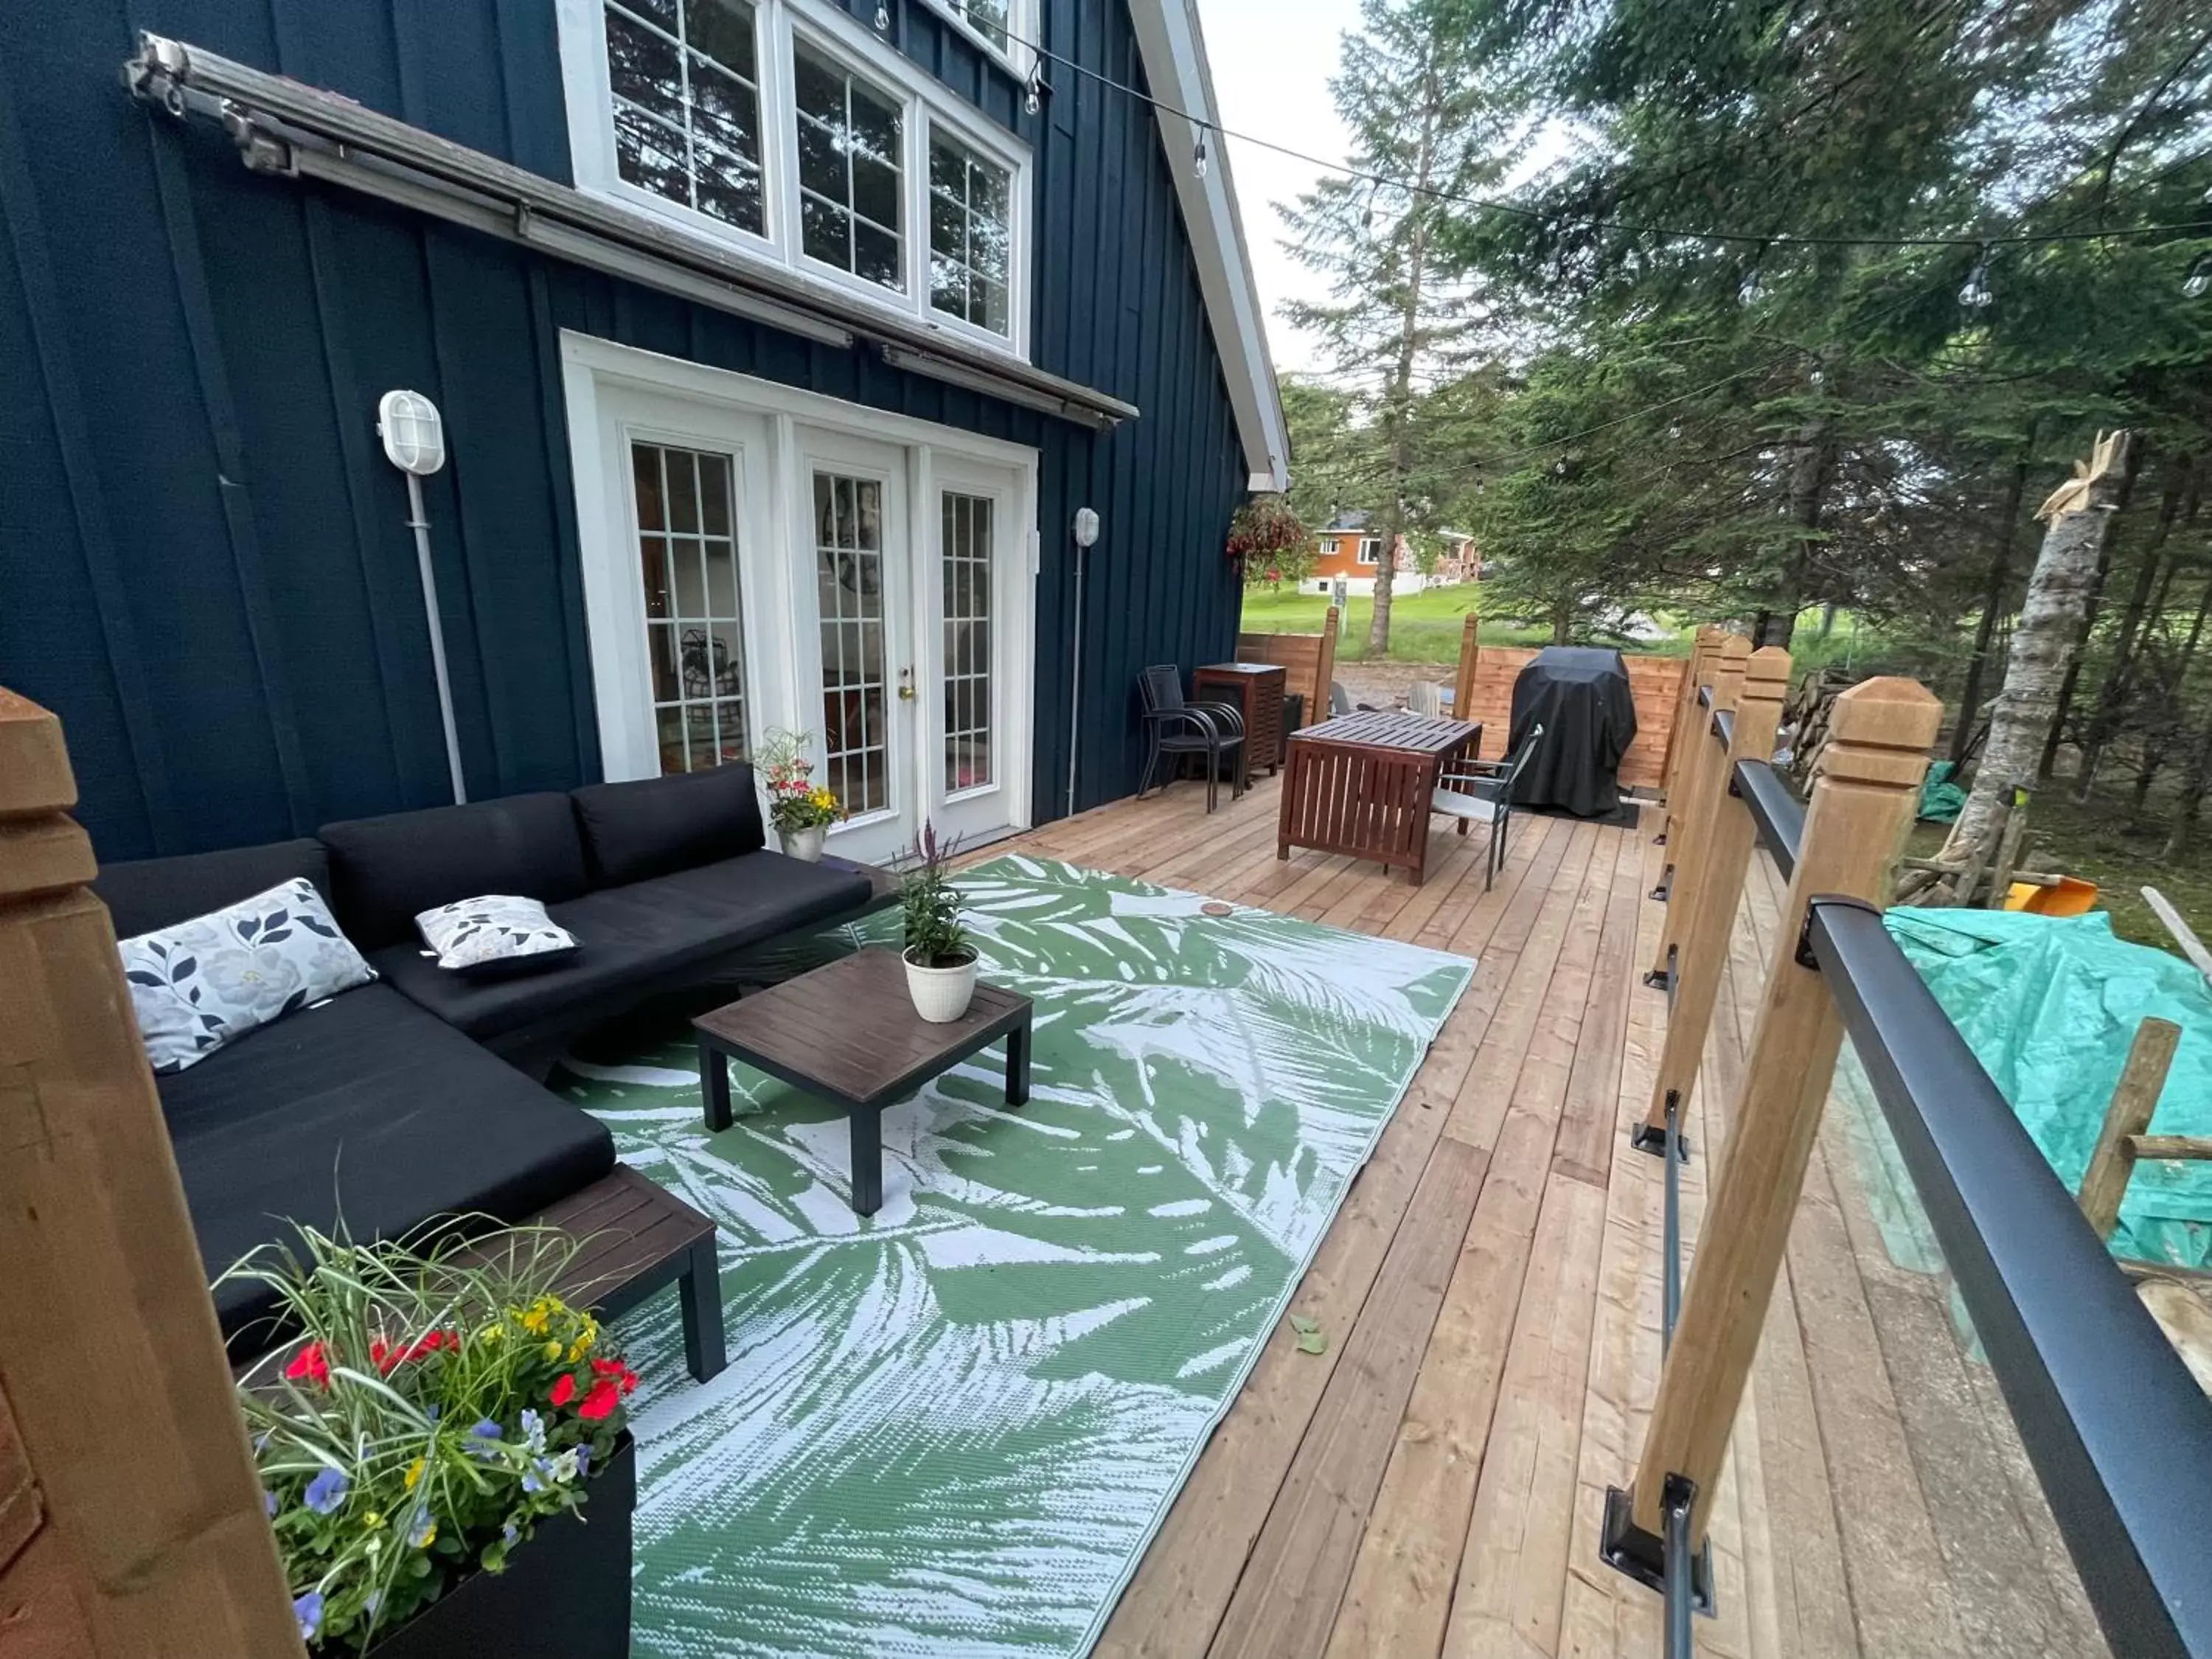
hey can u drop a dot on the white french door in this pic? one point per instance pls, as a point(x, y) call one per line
point(759, 559)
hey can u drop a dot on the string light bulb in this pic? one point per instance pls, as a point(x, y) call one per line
point(1976, 294)
point(883, 16)
point(1033, 96)
point(2198, 282)
point(1198, 156)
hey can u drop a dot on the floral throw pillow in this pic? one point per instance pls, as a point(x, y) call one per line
point(210, 980)
point(495, 935)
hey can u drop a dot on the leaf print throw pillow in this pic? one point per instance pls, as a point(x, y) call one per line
point(210, 980)
point(495, 935)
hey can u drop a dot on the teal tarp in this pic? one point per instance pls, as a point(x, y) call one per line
point(2049, 1005)
point(1940, 799)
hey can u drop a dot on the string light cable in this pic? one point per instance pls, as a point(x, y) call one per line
point(1763, 239)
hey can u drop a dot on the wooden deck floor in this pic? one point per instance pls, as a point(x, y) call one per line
point(1433, 1483)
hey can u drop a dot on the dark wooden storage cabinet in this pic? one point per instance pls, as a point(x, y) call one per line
point(1254, 689)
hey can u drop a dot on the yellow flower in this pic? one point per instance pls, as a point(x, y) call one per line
point(553, 1349)
point(373, 1520)
point(414, 1473)
point(494, 1333)
point(824, 800)
point(429, 1537)
point(584, 1342)
point(537, 1317)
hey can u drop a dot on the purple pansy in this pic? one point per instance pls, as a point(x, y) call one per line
point(308, 1610)
point(326, 1493)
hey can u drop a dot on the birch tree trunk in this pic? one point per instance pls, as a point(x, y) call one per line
point(2078, 517)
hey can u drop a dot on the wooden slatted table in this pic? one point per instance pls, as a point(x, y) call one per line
point(848, 1033)
point(1360, 785)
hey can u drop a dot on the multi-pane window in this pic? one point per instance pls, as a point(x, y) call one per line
point(988, 18)
point(850, 190)
point(848, 553)
point(1371, 550)
point(685, 79)
point(694, 639)
point(970, 240)
point(967, 555)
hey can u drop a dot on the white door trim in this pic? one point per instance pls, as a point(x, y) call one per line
point(611, 390)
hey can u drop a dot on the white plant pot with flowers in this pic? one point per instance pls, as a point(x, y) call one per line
point(940, 960)
point(801, 810)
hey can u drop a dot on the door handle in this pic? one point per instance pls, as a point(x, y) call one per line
point(905, 685)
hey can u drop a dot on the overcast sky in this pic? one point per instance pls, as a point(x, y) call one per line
point(1270, 61)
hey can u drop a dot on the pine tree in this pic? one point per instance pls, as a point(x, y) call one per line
point(1401, 310)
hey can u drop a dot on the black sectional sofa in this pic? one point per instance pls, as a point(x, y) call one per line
point(417, 1096)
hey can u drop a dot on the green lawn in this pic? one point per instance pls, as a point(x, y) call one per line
point(1425, 627)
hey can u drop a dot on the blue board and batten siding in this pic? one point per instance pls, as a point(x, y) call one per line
point(204, 568)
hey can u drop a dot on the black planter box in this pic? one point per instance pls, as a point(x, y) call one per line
point(565, 1593)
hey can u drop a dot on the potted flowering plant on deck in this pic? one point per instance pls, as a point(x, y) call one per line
point(940, 962)
point(429, 1445)
point(801, 810)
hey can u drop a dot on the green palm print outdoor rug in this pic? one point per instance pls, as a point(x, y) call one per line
point(953, 1426)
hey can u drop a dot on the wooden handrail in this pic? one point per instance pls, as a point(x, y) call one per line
point(1861, 805)
point(1690, 824)
point(148, 1537)
point(1705, 892)
point(1470, 654)
point(1702, 646)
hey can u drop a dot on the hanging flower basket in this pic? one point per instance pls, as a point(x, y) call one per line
point(1263, 530)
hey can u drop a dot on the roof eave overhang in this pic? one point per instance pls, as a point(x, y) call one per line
point(1174, 52)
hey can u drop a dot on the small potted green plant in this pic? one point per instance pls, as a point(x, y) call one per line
point(428, 1443)
point(801, 810)
point(940, 960)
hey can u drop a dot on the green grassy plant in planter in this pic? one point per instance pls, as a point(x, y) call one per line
point(429, 1445)
point(940, 962)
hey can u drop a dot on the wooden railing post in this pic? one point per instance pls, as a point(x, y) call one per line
point(1702, 644)
point(1689, 823)
point(1705, 893)
point(146, 1532)
point(1470, 651)
point(1325, 669)
point(1861, 805)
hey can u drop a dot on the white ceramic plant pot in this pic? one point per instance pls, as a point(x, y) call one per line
point(803, 844)
point(940, 996)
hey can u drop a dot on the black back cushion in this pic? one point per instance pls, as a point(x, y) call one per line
point(385, 871)
point(145, 894)
point(656, 826)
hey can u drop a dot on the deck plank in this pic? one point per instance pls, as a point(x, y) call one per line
point(1433, 1483)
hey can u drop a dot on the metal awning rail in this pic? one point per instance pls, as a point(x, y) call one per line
point(286, 128)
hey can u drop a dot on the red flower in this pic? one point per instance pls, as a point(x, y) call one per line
point(606, 1368)
point(563, 1391)
point(628, 1382)
point(601, 1401)
point(310, 1365)
point(382, 1355)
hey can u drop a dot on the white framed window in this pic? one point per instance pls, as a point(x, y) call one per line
point(1004, 25)
point(852, 150)
point(783, 129)
point(1329, 546)
point(1371, 550)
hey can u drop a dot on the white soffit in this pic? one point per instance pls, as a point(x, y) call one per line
point(1175, 64)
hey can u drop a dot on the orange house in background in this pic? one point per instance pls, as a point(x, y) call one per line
point(1350, 549)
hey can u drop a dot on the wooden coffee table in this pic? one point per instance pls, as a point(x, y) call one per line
point(847, 1033)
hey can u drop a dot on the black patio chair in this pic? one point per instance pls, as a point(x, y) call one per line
point(1175, 726)
point(1481, 792)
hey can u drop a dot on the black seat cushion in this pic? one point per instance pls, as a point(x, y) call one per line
point(655, 826)
point(144, 893)
point(369, 1109)
point(386, 871)
point(634, 940)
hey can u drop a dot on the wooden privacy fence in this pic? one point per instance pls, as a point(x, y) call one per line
point(2118, 1432)
point(1307, 662)
point(1653, 682)
point(130, 1518)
